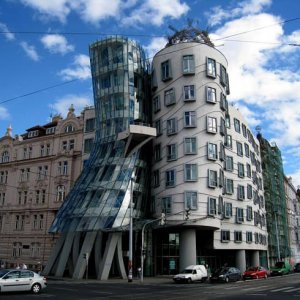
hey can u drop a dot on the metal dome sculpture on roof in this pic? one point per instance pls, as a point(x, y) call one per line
point(189, 34)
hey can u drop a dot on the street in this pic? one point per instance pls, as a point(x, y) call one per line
point(275, 288)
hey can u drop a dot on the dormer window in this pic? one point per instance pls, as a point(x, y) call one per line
point(50, 130)
point(33, 133)
point(69, 128)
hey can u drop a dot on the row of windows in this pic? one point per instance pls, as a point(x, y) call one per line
point(238, 237)
point(67, 129)
point(19, 249)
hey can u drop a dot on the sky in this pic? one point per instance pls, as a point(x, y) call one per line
point(44, 58)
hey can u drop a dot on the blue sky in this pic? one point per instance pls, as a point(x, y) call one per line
point(45, 44)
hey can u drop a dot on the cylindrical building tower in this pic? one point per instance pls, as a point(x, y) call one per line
point(206, 166)
point(100, 200)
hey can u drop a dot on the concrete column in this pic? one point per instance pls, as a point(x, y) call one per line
point(187, 249)
point(255, 258)
point(240, 260)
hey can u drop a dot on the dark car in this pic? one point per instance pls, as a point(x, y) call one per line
point(297, 267)
point(226, 274)
point(255, 273)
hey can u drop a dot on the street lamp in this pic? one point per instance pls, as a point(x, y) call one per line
point(130, 233)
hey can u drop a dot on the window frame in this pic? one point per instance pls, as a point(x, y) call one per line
point(211, 125)
point(210, 91)
point(189, 93)
point(191, 200)
point(188, 64)
point(211, 70)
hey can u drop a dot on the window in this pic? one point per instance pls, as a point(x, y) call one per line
point(227, 121)
point(212, 178)
point(166, 205)
point(69, 128)
point(42, 150)
point(211, 95)
point(229, 163)
point(157, 152)
point(48, 149)
point(212, 206)
point(241, 171)
point(5, 156)
point(211, 124)
point(228, 210)
point(158, 127)
point(244, 130)
point(222, 152)
point(239, 149)
point(63, 168)
point(221, 178)
point(50, 130)
point(211, 68)
point(3, 177)
point(228, 141)
point(166, 73)
point(170, 97)
point(170, 178)
point(188, 64)
point(190, 200)
point(156, 104)
point(239, 215)
point(237, 125)
point(240, 192)
point(248, 170)
point(228, 186)
point(238, 237)
point(19, 222)
point(190, 119)
point(60, 193)
point(223, 102)
point(249, 213)
point(171, 126)
point(33, 133)
point(249, 238)
point(220, 206)
point(190, 145)
point(171, 152)
point(89, 125)
point(222, 127)
point(156, 178)
point(191, 172)
point(247, 151)
point(212, 151)
point(88, 145)
point(189, 93)
point(225, 236)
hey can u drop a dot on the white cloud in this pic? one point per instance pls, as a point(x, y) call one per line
point(155, 45)
point(295, 178)
point(4, 114)
point(62, 105)
point(250, 116)
point(8, 35)
point(81, 69)
point(56, 43)
point(154, 12)
point(30, 51)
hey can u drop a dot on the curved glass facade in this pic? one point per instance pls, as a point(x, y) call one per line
point(101, 196)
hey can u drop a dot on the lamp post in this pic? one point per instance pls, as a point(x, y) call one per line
point(130, 233)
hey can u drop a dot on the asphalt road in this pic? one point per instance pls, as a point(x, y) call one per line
point(275, 288)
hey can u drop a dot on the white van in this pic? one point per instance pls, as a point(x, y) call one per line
point(192, 273)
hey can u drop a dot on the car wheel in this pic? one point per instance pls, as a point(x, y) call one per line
point(226, 279)
point(189, 280)
point(36, 288)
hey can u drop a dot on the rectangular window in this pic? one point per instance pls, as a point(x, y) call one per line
point(190, 146)
point(227, 121)
point(249, 191)
point(225, 236)
point(239, 149)
point(171, 126)
point(240, 192)
point(223, 130)
point(223, 76)
point(212, 178)
point(228, 141)
point(211, 95)
point(228, 210)
point(188, 64)
point(156, 178)
point(239, 215)
point(247, 150)
point(211, 124)
point(211, 68)
point(222, 152)
point(237, 125)
point(229, 163)
point(221, 178)
point(157, 152)
point(171, 152)
point(170, 97)
point(190, 119)
point(156, 104)
point(249, 213)
point(191, 172)
point(166, 72)
point(90, 125)
point(212, 206)
point(189, 93)
point(170, 178)
point(190, 200)
point(238, 236)
point(228, 186)
point(223, 102)
point(88, 145)
point(166, 205)
point(212, 151)
point(244, 130)
point(220, 205)
point(158, 127)
point(241, 170)
point(248, 170)
point(249, 238)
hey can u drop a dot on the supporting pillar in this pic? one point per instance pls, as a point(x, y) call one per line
point(98, 247)
point(255, 258)
point(188, 253)
point(240, 260)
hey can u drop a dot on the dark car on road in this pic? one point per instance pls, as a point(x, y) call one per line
point(297, 267)
point(226, 274)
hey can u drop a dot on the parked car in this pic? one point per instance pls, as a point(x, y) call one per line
point(12, 280)
point(297, 267)
point(255, 273)
point(192, 273)
point(280, 268)
point(226, 274)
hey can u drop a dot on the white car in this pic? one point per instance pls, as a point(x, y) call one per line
point(192, 273)
point(12, 280)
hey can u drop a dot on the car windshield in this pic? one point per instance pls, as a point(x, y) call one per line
point(222, 270)
point(3, 272)
point(279, 264)
point(187, 271)
point(252, 269)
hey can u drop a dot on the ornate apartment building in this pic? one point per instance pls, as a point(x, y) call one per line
point(37, 170)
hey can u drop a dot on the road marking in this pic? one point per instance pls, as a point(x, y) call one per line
point(282, 289)
point(292, 290)
point(262, 287)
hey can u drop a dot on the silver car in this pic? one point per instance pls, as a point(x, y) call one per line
point(12, 280)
